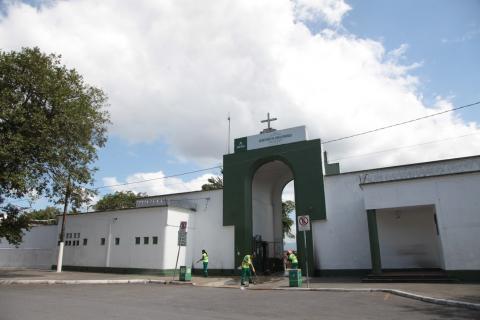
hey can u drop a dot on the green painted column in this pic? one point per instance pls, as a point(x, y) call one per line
point(374, 242)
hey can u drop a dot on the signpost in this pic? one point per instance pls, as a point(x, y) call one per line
point(304, 225)
point(182, 242)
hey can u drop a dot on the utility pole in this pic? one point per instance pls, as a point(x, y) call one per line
point(62, 231)
point(228, 138)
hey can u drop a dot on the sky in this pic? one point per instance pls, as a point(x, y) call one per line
point(175, 69)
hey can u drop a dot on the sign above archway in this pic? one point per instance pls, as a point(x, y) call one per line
point(272, 138)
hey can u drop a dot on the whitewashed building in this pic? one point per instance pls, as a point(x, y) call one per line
point(423, 216)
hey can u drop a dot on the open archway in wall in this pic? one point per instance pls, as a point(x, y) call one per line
point(305, 162)
point(267, 186)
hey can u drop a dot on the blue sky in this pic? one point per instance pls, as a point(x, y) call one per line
point(443, 35)
point(173, 73)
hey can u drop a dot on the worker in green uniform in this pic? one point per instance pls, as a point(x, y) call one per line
point(204, 259)
point(293, 259)
point(246, 264)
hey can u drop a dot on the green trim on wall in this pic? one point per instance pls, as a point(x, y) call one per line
point(157, 272)
point(304, 159)
point(374, 242)
point(217, 272)
point(356, 273)
point(465, 275)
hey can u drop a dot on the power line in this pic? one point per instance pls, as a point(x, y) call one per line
point(159, 178)
point(401, 123)
point(324, 142)
point(404, 147)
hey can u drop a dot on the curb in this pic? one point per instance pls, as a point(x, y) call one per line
point(405, 294)
point(113, 281)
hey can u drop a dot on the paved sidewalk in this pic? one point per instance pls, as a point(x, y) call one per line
point(467, 293)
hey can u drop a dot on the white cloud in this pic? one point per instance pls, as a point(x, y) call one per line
point(331, 11)
point(174, 69)
point(158, 186)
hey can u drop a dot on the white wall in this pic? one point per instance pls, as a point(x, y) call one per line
point(408, 238)
point(207, 231)
point(457, 204)
point(36, 251)
point(124, 224)
point(341, 241)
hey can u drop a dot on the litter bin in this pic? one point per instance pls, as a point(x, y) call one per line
point(185, 273)
point(295, 277)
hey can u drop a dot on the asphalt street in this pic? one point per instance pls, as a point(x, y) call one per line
point(126, 302)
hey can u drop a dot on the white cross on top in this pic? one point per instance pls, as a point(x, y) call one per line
point(268, 120)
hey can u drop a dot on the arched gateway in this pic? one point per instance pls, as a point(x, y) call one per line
point(254, 177)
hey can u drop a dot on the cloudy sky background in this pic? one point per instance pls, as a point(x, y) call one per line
point(174, 69)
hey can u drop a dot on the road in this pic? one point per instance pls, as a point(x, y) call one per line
point(127, 302)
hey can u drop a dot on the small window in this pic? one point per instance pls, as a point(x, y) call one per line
point(145, 240)
point(69, 235)
point(78, 242)
point(117, 241)
point(154, 240)
point(102, 241)
point(85, 240)
point(73, 243)
point(137, 240)
point(67, 243)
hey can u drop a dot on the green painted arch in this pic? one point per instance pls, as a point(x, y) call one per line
point(304, 160)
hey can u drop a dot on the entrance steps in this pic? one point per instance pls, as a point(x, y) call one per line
point(406, 276)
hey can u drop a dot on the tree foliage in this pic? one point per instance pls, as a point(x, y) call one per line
point(214, 183)
point(49, 213)
point(118, 200)
point(287, 207)
point(13, 225)
point(51, 125)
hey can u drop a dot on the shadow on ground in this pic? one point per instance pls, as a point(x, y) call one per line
point(444, 312)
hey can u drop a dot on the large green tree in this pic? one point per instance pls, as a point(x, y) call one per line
point(51, 125)
point(118, 200)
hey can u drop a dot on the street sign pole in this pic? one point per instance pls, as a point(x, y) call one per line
point(306, 256)
point(304, 225)
point(176, 263)
point(182, 242)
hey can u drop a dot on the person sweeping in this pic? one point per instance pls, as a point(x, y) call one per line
point(204, 259)
point(246, 264)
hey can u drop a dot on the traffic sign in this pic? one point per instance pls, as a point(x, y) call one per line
point(182, 238)
point(303, 223)
point(183, 225)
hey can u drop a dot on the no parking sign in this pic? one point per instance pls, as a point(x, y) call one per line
point(303, 223)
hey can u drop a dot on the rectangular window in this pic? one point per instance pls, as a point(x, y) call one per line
point(145, 240)
point(85, 240)
point(137, 240)
point(154, 240)
point(102, 241)
point(67, 243)
point(68, 235)
point(78, 242)
point(117, 241)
